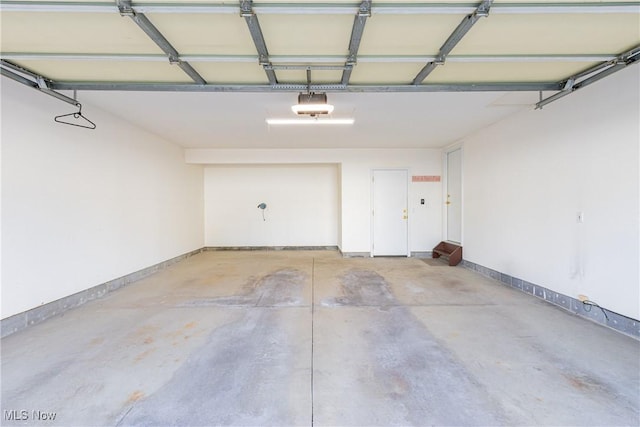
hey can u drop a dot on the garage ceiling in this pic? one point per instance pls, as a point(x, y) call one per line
point(341, 47)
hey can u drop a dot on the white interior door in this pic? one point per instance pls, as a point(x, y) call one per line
point(454, 196)
point(390, 218)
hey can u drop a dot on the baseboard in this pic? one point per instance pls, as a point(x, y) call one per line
point(612, 320)
point(270, 248)
point(39, 314)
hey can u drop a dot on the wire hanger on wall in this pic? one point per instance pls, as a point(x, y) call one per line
point(75, 119)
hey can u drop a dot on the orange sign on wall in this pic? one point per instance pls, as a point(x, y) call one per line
point(425, 178)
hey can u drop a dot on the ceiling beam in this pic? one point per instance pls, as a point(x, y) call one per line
point(125, 8)
point(294, 67)
point(190, 87)
point(304, 61)
point(359, 22)
point(461, 30)
point(247, 12)
point(17, 77)
point(19, 69)
point(566, 7)
point(592, 75)
point(444, 7)
point(33, 80)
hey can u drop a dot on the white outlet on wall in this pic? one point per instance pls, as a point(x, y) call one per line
point(580, 217)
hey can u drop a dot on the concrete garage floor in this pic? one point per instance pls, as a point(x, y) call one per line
point(310, 338)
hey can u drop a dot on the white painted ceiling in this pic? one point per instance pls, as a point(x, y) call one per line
point(76, 42)
point(237, 120)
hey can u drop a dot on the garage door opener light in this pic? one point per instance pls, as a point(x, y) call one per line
point(312, 104)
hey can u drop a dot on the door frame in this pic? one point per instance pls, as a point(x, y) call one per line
point(445, 184)
point(371, 205)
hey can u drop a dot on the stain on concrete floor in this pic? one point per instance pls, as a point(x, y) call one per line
point(282, 288)
point(241, 376)
point(409, 377)
point(362, 288)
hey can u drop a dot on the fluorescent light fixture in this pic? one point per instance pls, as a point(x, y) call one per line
point(312, 104)
point(310, 121)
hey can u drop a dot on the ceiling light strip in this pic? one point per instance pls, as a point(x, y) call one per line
point(310, 121)
point(461, 30)
point(324, 8)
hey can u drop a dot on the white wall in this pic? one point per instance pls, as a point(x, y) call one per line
point(355, 165)
point(526, 178)
point(82, 207)
point(302, 205)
